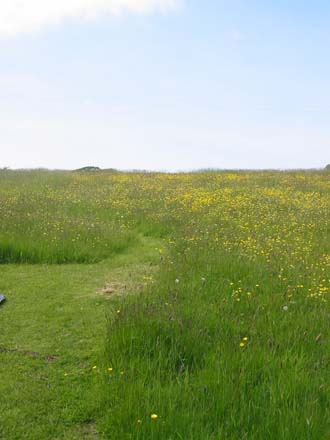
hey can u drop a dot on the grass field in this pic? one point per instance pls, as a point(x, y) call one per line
point(165, 306)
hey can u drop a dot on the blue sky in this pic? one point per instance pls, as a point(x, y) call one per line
point(197, 84)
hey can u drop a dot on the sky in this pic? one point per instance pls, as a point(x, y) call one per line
point(164, 84)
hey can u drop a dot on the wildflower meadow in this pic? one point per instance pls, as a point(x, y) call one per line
point(154, 306)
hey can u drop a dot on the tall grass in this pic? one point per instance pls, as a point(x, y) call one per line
point(57, 217)
point(231, 342)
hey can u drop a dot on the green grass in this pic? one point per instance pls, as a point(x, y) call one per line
point(58, 218)
point(53, 327)
point(218, 322)
point(184, 361)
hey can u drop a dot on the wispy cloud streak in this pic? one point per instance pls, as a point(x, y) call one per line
point(26, 16)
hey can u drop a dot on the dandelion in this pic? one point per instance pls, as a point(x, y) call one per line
point(242, 344)
point(94, 367)
point(154, 416)
point(110, 369)
point(245, 339)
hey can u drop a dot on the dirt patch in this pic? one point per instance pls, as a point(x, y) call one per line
point(119, 289)
point(88, 432)
point(29, 353)
point(127, 283)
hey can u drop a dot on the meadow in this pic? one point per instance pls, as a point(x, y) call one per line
point(189, 306)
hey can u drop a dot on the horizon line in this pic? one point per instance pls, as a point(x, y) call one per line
point(96, 169)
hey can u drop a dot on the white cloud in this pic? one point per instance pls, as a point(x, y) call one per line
point(24, 16)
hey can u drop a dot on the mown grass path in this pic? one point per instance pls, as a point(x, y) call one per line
point(52, 334)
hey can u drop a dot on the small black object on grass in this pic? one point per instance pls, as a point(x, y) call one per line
point(2, 298)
